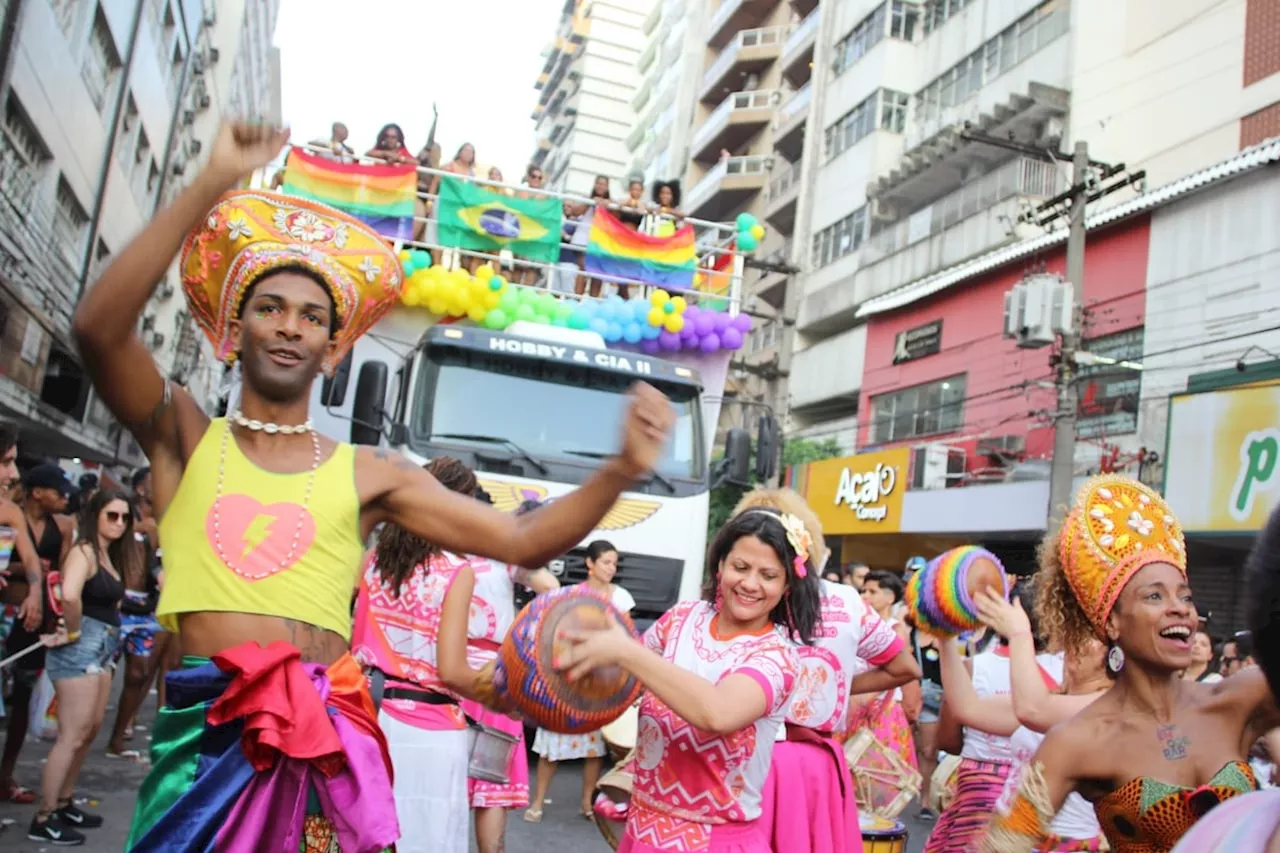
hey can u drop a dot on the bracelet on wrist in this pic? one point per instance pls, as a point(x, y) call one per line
point(72, 637)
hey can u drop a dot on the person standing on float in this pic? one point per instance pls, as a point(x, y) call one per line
point(263, 520)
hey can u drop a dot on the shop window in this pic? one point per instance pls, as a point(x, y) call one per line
point(929, 409)
point(1109, 393)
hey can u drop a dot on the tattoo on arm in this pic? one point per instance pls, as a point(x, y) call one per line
point(1173, 745)
point(401, 462)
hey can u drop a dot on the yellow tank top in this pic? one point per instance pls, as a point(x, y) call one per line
point(277, 556)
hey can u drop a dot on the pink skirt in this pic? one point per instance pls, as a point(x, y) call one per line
point(650, 832)
point(963, 824)
point(515, 794)
point(808, 800)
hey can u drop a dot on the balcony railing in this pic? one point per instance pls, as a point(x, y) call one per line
point(782, 184)
point(759, 37)
point(704, 189)
point(801, 34)
point(723, 13)
point(1018, 177)
point(796, 104)
point(32, 252)
point(737, 102)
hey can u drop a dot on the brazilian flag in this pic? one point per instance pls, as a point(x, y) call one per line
point(480, 219)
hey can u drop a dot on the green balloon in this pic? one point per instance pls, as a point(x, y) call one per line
point(577, 320)
point(509, 301)
point(496, 319)
point(547, 304)
point(525, 312)
point(564, 311)
point(746, 222)
point(746, 242)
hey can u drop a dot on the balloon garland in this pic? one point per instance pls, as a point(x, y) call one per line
point(661, 323)
point(750, 232)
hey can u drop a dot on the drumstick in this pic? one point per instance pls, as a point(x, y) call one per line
point(38, 644)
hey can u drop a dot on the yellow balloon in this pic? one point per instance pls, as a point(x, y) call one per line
point(484, 272)
point(699, 280)
point(659, 298)
point(477, 312)
point(491, 299)
point(674, 323)
point(437, 307)
point(404, 256)
point(678, 305)
point(410, 297)
point(757, 231)
point(656, 316)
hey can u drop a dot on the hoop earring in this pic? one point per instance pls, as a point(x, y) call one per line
point(1115, 660)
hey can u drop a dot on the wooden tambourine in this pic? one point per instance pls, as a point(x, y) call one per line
point(942, 789)
point(898, 776)
point(620, 735)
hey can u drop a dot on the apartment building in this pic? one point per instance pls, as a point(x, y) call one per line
point(907, 183)
point(747, 153)
point(586, 88)
point(670, 73)
point(106, 105)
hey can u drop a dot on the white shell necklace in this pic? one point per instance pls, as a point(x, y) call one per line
point(270, 429)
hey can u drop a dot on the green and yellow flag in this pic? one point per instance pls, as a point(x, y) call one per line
point(479, 219)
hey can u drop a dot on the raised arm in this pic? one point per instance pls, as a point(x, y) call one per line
point(121, 367)
point(396, 490)
point(991, 714)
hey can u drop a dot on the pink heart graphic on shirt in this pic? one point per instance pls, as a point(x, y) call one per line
point(257, 540)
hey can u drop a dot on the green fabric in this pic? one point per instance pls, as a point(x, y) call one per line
point(477, 219)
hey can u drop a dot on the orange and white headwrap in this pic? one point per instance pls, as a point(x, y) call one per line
point(1116, 527)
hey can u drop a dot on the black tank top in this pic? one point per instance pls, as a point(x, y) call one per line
point(49, 546)
point(100, 598)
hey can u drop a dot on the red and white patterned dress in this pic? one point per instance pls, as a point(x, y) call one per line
point(693, 790)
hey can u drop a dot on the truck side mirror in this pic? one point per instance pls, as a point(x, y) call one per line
point(768, 445)
point(333, 390)
point(367, 410)
point(737, 457)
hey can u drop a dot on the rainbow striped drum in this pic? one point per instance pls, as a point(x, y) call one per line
point(939, 597)
point(881, 835)
point(527, 680)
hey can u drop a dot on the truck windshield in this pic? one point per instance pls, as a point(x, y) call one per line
point(551, 410)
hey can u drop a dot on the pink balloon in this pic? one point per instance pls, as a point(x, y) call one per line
point(710, 343)
point(731, 338)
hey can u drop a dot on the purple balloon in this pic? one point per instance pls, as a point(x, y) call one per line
point(742, 323)
point(689, 336)
point(710, 343)
point(649, 346)
point(731, 338)
point(705, 323)
point(669, 341)
point(691, 312)
point(723, 321)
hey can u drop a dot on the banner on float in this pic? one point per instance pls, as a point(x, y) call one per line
point(379, 196)
point(615, 250)
point(478, 219)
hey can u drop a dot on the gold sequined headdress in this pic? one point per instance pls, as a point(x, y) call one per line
point(1116, 527)
point(250, 233)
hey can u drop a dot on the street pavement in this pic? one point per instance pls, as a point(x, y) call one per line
point(108, 787)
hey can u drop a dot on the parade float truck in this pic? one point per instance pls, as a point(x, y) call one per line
point(534, 409)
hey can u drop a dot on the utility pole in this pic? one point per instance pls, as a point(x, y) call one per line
point(1064, 433)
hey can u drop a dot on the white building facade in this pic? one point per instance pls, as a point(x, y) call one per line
point(906, 187)
point(664, 101)
point(589, 80)
point(107, 105)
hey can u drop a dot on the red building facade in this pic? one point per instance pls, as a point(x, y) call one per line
point(939, 369)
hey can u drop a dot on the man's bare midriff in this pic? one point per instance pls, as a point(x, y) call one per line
point(206, 633)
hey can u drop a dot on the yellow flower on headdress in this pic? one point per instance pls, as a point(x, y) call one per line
point(1116, 527)
point(248, 234)
point(801, 541)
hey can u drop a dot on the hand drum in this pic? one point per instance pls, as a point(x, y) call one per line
point(939, 598)
point(527, 681)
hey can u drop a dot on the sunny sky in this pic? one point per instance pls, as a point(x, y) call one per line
point(382, 61)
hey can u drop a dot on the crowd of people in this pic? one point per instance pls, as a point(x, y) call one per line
point(304, 717)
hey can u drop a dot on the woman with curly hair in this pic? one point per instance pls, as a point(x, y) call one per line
point(410, 631)
point(720, 673)
point(1174, 749)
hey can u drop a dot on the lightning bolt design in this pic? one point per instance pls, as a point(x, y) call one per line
point(257, 532)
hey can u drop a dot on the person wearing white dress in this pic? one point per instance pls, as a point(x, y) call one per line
point(552, 748)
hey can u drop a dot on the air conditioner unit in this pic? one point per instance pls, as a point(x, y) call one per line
point(194, 147)
point(188, 117)
point(881, 211)
point(214, 55)
point(936, 466)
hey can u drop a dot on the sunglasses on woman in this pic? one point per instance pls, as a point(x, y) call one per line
point(113, 516)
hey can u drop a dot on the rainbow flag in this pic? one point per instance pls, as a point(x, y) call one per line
point(615, 250)
point(380, 196)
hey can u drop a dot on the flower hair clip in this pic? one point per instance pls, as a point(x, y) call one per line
point(801, 542)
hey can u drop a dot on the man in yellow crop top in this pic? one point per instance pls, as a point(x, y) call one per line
point(269, 739)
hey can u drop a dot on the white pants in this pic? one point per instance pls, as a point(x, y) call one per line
point(430, 787)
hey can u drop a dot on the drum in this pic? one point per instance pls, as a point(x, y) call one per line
point(881, 835)
point(886, 770)
point(942, 789)
point(611, 799)
point(620, 735)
